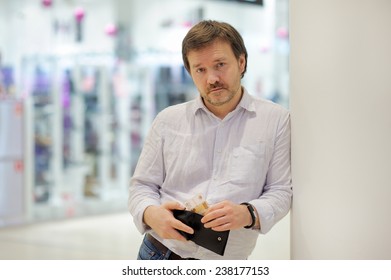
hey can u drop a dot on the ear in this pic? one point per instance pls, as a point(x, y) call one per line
point(242, 63)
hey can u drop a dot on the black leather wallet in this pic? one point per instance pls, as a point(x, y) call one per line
point(205, 237)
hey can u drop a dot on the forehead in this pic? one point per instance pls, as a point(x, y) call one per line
point(217, 50)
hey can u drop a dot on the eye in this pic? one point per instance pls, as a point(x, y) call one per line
point(220, 64)
point(200, 70)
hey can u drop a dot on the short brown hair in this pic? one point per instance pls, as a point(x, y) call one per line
point(206, 32)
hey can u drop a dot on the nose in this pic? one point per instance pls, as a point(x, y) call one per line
point(212, 78)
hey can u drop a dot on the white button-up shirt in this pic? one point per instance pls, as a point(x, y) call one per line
point(244, 157)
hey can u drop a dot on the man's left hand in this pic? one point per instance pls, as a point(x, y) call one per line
point(226, 215)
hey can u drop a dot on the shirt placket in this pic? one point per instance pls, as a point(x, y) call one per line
point(219, 145)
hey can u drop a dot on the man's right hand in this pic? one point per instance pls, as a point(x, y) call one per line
point(162, 221)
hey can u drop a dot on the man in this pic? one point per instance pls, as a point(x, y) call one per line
point(225, 145)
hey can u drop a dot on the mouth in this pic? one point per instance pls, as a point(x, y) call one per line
point(215, 90)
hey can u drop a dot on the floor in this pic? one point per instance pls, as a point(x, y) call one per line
point(109, 237)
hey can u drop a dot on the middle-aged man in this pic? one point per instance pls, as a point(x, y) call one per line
point(226, 145)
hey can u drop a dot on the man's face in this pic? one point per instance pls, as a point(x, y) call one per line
point(217, 73)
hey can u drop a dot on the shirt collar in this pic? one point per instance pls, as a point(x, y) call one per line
point(246, 103)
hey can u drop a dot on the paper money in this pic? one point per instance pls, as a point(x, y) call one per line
point(197, 204)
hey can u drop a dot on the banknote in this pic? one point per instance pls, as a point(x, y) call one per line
point(197, 204)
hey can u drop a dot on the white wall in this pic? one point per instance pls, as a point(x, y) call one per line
point(341, 129)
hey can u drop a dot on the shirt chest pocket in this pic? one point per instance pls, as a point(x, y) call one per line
point(247, 164)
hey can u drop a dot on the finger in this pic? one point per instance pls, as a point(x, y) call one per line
point(212, 215)
point(207, 218)
point(183, 227)
point(222, 220)
point(214, 207)
point(176, 235)
point(222, 227)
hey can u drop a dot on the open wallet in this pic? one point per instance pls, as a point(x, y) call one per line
point(205, 237)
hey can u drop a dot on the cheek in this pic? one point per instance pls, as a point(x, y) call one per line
point(198, 82)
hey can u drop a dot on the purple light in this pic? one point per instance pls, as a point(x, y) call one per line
point(111, 29)
point(79, 14)
point(47, 3)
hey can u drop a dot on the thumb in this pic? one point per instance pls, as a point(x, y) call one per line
point(171, 205)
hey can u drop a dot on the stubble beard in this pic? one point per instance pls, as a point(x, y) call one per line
point(210, 98)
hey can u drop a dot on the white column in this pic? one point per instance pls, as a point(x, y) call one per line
point(78, 116)
point(341, 129)
point(57, 135)
point(104, 132)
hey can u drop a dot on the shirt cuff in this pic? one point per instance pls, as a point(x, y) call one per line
point(265, 214)
point(139, 216)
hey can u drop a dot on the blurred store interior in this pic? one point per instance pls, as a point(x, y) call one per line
point(80, 84)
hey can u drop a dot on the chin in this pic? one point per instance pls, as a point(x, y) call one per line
point(219, 102)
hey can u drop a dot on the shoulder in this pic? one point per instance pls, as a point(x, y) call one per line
point(175, 112)
point(176, 117)
point(265, 106)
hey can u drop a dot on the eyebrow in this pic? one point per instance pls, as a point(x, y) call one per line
point(214, 61)
point(196, 65)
